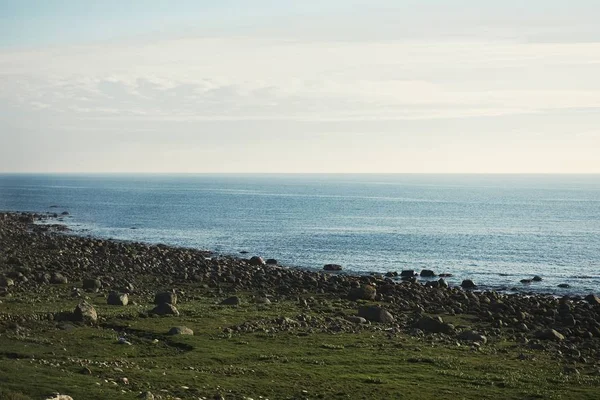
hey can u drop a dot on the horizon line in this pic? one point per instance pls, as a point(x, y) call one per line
point(290, 173)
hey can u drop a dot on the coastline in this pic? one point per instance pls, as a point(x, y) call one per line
point(39, 263)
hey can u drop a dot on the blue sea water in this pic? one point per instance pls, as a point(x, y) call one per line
point(494, 229)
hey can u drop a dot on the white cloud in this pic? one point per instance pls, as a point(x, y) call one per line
point(182, 87)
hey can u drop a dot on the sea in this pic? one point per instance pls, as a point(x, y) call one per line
point(493, 229)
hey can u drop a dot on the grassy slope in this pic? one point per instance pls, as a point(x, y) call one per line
point(40, 358)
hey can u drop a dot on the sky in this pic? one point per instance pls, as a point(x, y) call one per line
point(354, 86)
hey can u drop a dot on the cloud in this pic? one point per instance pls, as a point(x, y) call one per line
point(233, 93)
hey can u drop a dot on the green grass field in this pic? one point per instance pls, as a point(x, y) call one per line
point(270, 361)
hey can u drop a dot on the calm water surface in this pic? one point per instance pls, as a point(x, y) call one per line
point(495, 229)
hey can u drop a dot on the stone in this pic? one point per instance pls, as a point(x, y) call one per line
point(86, 313)
point(271, 261)
point(180, 330)
point(356, 319)
point(59, 397)
point(434, 325)
point(257, 261)
point(375, 314)
point(592, 299)
point(549, 334)
point(408, 273)
point(442, 283)
point(117, 299)
point(146, 396)
point(92, 284)
point(165, 309)
point(231, 301)
point(537, 278)
point(57, 278)
point(468, 284)
point(165, 298)
point(6, 282)
point(472, 336)
point(564, 286)
point(364, 292)
point(332, 267)
point(427, 273)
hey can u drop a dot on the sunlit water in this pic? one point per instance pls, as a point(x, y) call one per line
point(494, 229)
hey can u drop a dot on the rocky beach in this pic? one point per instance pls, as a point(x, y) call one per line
point(96, 319)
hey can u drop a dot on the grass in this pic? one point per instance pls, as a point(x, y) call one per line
point(42, 357)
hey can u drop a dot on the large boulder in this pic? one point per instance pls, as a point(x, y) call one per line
point(427, 273)
point(472, 336)
point(57, 278)
point(434, 325)
point(92, 284)
point(165, 298)
point(408, 273)
point(257, 261)
point(468, 284)
point(375, 314)
point(180, 330)
point(332, 267)
point(86, 313)
point(164, 309)
point(592, 299)
point(117, 299)
point(549, 334)
point(364, 292)
point(6, 282)
point(231, 301)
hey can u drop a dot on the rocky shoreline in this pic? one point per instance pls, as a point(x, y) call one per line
point(36, 257)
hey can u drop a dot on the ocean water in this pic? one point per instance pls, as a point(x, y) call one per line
point(494, 229)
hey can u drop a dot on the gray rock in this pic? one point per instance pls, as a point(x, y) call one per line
point(592, 299)
point(427, 273)
point(549, 334)
point(332, 267)
point(180, 330)
point(165, 298)
point(165, 309)
point(564, 286)
point(375, 314)
point(257, 261)
point(6, 282)
point(92, 284)
point(442, 283)
point(365, 292)
point(356, 319)
point(408, 273)
point(468, 284)
point(86, 313)
point(271, 261)
point(146, 396)
point(434, 325)
point(57, 278)
point(117, 299)
point(472, 336)
point(231, 301)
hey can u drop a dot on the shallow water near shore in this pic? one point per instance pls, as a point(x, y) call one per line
point(494, 229)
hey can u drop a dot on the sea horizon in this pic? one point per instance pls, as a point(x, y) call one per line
point(495, 229)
